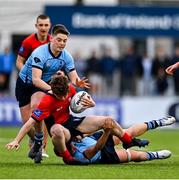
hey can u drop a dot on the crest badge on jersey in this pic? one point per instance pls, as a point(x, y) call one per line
point(37, 112)
point(37, 60)
point(21, 50)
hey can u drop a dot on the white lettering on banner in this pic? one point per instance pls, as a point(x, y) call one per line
point(80, 20)
point(9, 111)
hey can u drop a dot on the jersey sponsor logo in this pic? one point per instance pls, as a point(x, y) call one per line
point(36, 59)
point(37, 112)
point(21, 50)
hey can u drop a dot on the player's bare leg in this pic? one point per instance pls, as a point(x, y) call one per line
point(92, 124)
point(60, 136)
point(139, 129)
point(137, 156)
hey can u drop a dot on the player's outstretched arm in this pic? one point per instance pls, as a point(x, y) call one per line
point(23, 131)
point(171, 69)
point(81, 83)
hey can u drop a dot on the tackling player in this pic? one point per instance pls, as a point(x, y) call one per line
point(34, 40)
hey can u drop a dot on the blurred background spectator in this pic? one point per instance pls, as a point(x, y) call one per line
point(160, 63)
point(145, 81)
point(7, 65)
point(128, 68)
point(108, 66)
point(94, 74)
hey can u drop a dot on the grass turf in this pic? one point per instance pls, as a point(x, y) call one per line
point(16, 165)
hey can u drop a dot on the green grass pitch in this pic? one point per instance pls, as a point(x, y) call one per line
point(16, 165)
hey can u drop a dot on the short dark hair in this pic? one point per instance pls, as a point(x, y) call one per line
point(59, 28)
point(42, 16)
point(59, 85)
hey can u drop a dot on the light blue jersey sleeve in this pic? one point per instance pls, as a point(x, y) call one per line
point(83, 145)
point(36, 59)
point(69, 61)
point(39, 57)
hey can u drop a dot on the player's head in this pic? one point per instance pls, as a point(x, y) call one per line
point(59, 37)
point(43, 24)
point(59, 29)
point(59, 85)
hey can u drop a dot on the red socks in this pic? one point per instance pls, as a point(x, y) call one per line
point(126, 138)
point(65, 155)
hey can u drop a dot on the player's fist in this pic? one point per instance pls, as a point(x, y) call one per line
point(108, 124)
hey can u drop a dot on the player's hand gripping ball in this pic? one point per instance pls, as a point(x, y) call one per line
point(75, 105)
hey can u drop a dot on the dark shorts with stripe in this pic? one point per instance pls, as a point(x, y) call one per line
point(24, 91)
point(71, 124)
point(108, 153)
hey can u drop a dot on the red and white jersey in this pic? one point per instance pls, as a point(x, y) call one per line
point(30, 43)
point(51, 106)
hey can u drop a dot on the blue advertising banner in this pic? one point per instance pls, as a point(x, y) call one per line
point(116, 20)
point(10, 114)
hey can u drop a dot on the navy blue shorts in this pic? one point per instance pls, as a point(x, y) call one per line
point(24, 91)
point(71, 124)
point(108, 153)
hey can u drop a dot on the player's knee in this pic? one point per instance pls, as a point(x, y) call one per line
point(56, 131)
point(109, 122)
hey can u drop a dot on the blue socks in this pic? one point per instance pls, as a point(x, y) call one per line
point(152, 124)
point(38, 138)
point(152, 155)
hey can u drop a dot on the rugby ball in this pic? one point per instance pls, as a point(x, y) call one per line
point(75, 103)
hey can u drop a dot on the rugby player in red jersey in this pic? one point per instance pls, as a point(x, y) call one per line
point(30, 43)
point(54, 108)
point(34, 40)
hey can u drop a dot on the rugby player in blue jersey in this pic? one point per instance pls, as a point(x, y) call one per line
point(36, 73)
point(100, 147)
